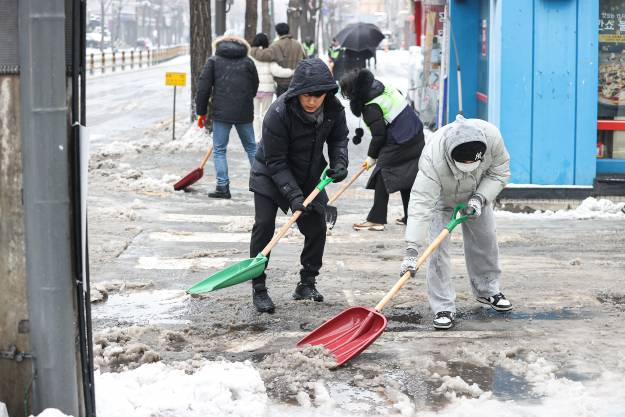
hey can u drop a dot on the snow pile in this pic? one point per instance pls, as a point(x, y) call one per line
point(48, 412)
point(452, 386)
point(3, 410)
point(295, 373)
point(115, 349)
point(590, 208)
point(215, 389)
point(194, 139)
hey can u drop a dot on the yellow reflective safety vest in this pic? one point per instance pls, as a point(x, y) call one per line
point(309, 49)
point(391, 102)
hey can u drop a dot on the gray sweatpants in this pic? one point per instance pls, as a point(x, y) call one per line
point(481, 254)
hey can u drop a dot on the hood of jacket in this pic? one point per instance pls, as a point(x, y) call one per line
point(459, 132)
point(230, 46)
point(366, 88)
point(311, 75)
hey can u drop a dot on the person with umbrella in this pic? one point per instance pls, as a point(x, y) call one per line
point(289, 162)
point(359, 40)
point(396, 142)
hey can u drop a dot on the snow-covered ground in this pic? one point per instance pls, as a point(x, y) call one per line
point(160, 352)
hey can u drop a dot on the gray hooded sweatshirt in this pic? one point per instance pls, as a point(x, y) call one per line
point(440, 185)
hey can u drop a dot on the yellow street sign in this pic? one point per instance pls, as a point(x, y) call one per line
point(177, 79)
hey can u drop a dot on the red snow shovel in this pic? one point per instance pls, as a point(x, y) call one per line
point(354, 329)
point(193, 176)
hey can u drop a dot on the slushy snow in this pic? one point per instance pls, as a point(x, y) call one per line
point(590, 208)
point(207, 388)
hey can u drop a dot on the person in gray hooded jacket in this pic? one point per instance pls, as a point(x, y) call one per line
point(463, 162)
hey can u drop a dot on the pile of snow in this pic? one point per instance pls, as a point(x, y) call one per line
point(590, 208)
point(115, 349)
point(48, 412)
point(194, 139)
point(215, 389)
point(297, 373)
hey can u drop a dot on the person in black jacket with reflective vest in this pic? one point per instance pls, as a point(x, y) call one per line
point(288, 165)
point(231, 79)
point(396, 142)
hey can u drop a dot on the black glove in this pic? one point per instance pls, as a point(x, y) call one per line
point(358, 135)
point(338, 173)
point(297, 203)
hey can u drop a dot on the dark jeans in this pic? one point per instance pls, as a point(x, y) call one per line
point(380, 202)
point(312, 226)
point(281, 89)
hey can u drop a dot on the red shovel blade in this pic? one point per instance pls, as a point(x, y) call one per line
point(348, 333)
point(189, 179)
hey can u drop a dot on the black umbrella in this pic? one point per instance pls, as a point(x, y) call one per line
point(360, 36)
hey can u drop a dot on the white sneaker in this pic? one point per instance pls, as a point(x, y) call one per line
point(498, 302)
point(444, 320)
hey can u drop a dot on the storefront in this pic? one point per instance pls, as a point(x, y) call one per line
point(532, 67)
point(611, 111)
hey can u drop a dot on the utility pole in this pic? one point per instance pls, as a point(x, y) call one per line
point(220, 17)
point(42, 326)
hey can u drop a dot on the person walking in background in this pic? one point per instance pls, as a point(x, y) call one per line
point(310, 48)
point(286, 51)
point(267, 86)
point(335, 56)
point(288, 165)
point(230, 78)
point(463, 162)
point(396, 142)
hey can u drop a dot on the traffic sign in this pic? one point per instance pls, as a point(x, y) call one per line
point(177, 79)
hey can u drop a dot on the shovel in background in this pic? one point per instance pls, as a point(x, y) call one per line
point(331, 212)
point(253, 267)
point(354, 329)
point(193, 176)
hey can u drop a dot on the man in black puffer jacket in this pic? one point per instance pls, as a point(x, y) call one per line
point(288, 165)
point(231, 79)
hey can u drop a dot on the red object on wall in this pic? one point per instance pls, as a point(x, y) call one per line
point(610, 125)
point(418, 22)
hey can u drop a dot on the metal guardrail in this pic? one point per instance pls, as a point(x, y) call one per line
point(132, 59)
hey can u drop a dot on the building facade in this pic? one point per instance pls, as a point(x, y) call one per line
point(548, 74)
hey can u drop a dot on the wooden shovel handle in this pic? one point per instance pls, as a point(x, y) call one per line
point(289, 223)
point(437, 242)
point(208, 154)
point(347, 185)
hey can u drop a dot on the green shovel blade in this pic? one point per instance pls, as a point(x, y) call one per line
point(233, 275)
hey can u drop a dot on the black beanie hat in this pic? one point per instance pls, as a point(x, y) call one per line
point(469, 151)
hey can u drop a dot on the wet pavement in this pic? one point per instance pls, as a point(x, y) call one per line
point(566, 279)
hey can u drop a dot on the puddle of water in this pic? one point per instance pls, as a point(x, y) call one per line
point(489, 313)
point(502, 383)
point(403, 319)
point(142, 307)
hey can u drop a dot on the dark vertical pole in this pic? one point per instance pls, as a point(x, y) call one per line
point(220, 17)
point(173, 129)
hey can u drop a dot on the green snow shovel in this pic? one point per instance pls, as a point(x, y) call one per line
point(253, 267)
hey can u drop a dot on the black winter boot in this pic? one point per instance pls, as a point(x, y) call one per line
point(221, 191)
point(306, 290)
point(261, 299)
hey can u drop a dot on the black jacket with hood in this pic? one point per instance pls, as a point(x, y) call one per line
point(289, 158)
point(397, 163)
point(231, 79)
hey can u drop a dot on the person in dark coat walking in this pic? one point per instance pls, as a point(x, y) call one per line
point(230, 78)
point(288, 165)
point(396, 142)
